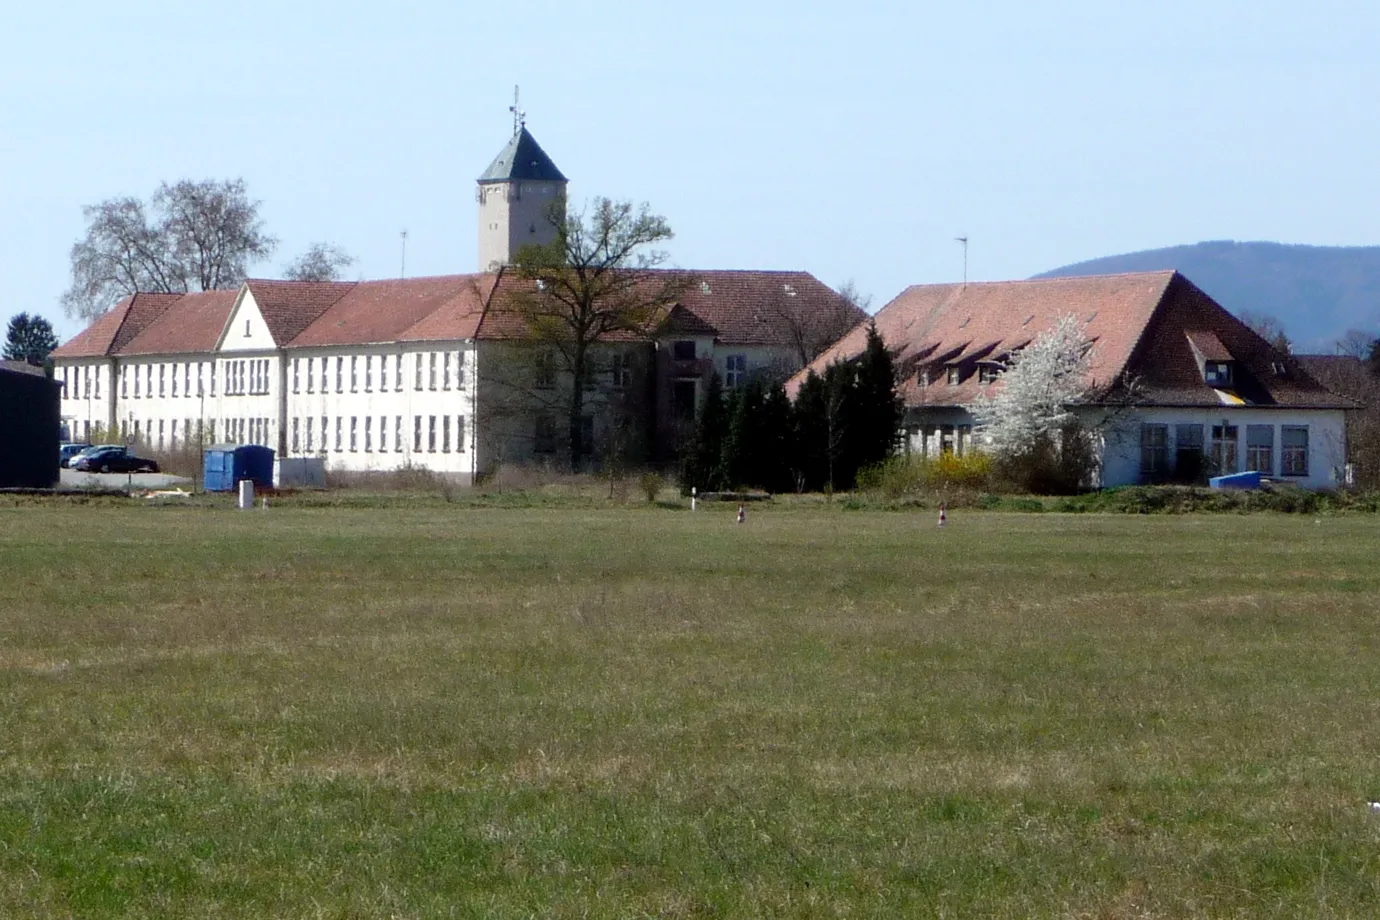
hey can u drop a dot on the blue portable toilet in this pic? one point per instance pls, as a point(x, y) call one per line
point(227, 464)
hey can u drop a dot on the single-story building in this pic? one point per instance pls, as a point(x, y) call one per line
point(1179, 386)
point(30, 416)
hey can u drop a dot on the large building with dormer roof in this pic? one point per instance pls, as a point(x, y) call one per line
point(426, 372)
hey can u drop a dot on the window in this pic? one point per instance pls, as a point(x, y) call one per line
point(246, 329)
point(1260, 448)
point(431, 435)
point(445, 434)
point(295, 370)
point(200, 379)
point(213, 378)
point(295, 445)
point(97, 375)
point(544, 440)
point(354, 373)
point(951, 375)
point(1154, 451)
point(545, 376)
point(1188, 451)
point(417, 363)
point(162, 378)
point(187, 379)
point(1217, 373)
point(174, 380)
point(383, 434)
point(172, 428)
point(417, 433)
point(368, 373)
point(1293, 454)
point(445, 370)
point(211, 431)
point(735, 371)
point(368, 429)
point(431, 371)
point(459, 433)
point(683, 351)
point(339, 431)
point(136, 382)
point(339, 374)
point(160, 421)
point(1223, 454)
point(325, 383)
point(397, 429)
point(354, 430)
point(459, 370)
point(309, 434)
point(124, 381)
point(311, 381)
point(988, 373)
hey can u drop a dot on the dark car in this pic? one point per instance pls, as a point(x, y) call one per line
point(68, 452)
point(112, 460)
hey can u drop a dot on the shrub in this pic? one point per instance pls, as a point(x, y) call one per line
point(651, 484)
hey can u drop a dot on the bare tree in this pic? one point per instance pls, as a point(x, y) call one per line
point(192, 236)
point(812, 329)
point(595, 280)
point(1355, 344)
point(321, 262)
point(1268, 327)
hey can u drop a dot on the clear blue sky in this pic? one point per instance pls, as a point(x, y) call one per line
point(849, 140)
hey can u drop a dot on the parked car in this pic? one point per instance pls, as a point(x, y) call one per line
point(66, 453)
point(112, 460)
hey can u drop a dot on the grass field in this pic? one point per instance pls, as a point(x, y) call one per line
point(437, 712)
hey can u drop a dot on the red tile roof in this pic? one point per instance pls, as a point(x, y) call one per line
point(191, 324)
point(1137, 323)
point(1207, 345)
point(738, 307)
point(444, 307)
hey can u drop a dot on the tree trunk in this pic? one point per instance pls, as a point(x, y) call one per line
point(577, 407)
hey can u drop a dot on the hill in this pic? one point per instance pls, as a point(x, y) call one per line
point(1316, 292)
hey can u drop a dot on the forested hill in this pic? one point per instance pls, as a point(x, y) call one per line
point(1317, 292)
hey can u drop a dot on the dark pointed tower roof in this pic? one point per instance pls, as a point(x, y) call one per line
point(522, 159)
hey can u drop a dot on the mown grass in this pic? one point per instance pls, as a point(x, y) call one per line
point(435, 712)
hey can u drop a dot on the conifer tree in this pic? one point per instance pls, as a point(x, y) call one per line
point(701, 458)
point(743, 451)
point(878, 404)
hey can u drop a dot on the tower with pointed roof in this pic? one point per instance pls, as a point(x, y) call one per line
point(516, 196)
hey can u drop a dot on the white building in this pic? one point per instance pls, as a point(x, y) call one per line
point(1181, 387)
point(431, 372)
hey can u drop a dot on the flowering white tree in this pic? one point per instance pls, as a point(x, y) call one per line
point(1031, 408)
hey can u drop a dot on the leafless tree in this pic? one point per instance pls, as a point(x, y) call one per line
point(1355, 344)
point(1268, 327)
point(191, 236)
point(321, 262)
point(595, 280)
point(812, 330)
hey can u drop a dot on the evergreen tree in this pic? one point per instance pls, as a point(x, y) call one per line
point(840, 454)
point(878, 404)
point(777, 441)
point(700, 463)
point(810, 434)
point(743, 451)
point(29, 339)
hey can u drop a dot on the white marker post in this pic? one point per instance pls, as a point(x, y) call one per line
point(693, 491)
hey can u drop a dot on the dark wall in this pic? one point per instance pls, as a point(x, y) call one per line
point(29, 424)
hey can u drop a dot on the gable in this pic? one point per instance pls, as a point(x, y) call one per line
point(246, 329)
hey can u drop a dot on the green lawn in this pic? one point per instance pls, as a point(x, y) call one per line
point(437, 712)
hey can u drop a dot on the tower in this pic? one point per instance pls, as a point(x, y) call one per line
point(516, 195)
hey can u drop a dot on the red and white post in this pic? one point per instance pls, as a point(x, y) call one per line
point(943, 517)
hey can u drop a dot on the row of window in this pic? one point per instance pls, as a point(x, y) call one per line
point(1222, 453)
point(450, 364)
point(81, 382)
point(306, 437)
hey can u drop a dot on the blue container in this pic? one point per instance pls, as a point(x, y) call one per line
point(227, 464)
point(1249, 480)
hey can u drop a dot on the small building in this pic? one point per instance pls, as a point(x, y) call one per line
point(31, 420)
point(226, 465)
point(1180, 388)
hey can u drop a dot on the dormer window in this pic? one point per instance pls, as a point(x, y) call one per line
point(952, 375)
point(683, 350)
point(988, 373)
point(1217, 373)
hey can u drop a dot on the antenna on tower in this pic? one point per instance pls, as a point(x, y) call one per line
point(964, 241)
point(519, 116)
point(402, 269)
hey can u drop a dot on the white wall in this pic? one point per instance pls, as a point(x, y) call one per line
point(1326, 440)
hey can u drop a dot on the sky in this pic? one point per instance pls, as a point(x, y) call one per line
point(854, 141)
